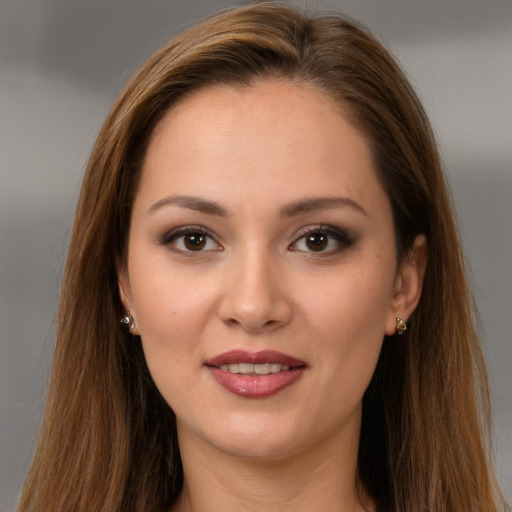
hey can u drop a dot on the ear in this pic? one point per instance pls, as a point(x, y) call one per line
point(125, 293)
point(408, 284)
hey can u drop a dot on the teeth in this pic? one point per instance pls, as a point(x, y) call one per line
point(262, 369)
point(275, 367)
point(251, 369)
point(246, 368)
point(233, 368)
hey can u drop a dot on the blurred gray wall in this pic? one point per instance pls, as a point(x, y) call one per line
point(61, 65)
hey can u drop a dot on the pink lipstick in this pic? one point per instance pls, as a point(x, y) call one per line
point(255, 374)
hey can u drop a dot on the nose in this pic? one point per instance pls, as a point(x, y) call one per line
point(255, 298)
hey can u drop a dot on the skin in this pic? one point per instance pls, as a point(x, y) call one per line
point(257, 152)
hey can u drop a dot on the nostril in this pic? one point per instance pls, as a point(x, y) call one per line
point(253, 320)
point(252, 299)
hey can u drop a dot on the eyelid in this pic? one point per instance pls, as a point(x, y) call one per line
point(170, 236)
point(340, 235)
point(343, 238)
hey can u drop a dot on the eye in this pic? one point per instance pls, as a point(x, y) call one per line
point(316, 242)
point(321, 240)
point(190, 239)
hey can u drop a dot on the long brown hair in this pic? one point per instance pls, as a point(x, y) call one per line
point(108, 440)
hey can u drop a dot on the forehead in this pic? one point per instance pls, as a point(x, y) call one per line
point(274, 135)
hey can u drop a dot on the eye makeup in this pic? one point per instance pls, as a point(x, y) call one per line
point(315, 240)
point(322, 240)
point(190, 240)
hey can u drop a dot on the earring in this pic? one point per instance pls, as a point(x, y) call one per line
point(128, 321)
point(401, 326)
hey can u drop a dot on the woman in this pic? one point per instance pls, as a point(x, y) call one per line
point(265, 211)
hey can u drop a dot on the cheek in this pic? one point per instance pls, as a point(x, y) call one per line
point(165, 298)
point(348, 321)
point(171, 321)
point(352, 300)
point(171, 313)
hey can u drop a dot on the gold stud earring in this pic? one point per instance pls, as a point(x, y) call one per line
point(128, 321)
point(401, 326)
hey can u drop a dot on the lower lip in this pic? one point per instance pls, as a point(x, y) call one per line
point(256, 386)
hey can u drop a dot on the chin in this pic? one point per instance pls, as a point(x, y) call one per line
point(245, 437)
point(259, 447)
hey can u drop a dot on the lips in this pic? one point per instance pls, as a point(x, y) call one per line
point(255, 374)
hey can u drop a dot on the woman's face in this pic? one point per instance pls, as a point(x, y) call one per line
point(261, 269)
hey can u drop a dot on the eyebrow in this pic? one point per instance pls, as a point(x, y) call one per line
point(302, 206)
point(313, 204)
point(192, 203)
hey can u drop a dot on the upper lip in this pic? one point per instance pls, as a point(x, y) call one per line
point(261, 357)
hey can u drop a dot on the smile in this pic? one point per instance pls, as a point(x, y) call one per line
point(254, 369)
point(255, 374)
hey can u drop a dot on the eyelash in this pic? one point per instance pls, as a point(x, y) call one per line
point(342, 239)
point(171, 238)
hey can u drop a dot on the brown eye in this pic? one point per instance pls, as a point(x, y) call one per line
point(322, 240)
point(195, 241)
point(317, 241)
point(189, 239)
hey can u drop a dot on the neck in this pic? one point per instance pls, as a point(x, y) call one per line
point(319, 479)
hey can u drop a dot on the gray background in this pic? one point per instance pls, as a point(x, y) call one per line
point(61, 65)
